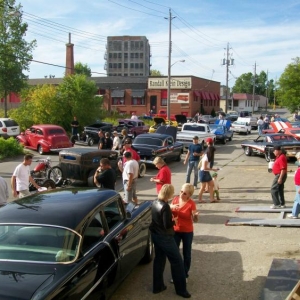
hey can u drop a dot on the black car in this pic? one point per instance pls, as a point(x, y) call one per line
point(264, 145)
point(89, 136)
point(164, 145)
point(70, 244)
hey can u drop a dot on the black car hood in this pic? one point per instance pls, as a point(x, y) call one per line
point(181, 119)
point(171, 130)
point(159, 120)
point(20, 281)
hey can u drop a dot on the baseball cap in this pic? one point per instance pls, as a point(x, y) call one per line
point(195, 137)
point(277, 147)
point(209, 140)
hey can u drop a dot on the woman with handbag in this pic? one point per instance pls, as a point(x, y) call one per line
point(204, 174)
point(184, 209)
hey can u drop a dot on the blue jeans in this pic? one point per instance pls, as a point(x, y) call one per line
point(260, 128)
point(192, 165)
point(187, 239)
point(165, 247)
point(296, 207)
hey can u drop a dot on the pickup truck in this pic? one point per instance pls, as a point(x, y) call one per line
point(189, 130)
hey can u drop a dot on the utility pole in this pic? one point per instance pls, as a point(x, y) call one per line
point(253, 88)
point(228, 62)
point(267, 86)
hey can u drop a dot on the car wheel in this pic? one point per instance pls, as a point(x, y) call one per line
point(40, 150)
point(224, 141)
point(267, 156)
point(56, 175)
point(142, 170)
point(49, 184)
point(148, 256)
point(90, 180)
point(230, 139)
point(248, 151)
point(178, 158)
point(90, 142)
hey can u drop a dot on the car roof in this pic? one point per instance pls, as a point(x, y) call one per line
point(62, 207)
point(153, 135)
point(86, 150)
point(46, 126)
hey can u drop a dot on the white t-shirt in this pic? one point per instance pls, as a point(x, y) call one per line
point(116, 143)
point(22, 174)
point(131, 166)
point(134, 117)
point(260, 122)
point(203, 160)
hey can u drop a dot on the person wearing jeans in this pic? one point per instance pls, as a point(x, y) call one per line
point(192, 159)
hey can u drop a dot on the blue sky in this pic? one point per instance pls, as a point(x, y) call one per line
point(266, 32)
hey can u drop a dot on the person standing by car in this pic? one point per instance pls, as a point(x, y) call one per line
point(260, 125)
point(101, 143)
point(124, 134)
point(74, 125)
point(3, 192)
point(164, 174)
point(130, 173)
point(21, 178)
point(162, 233)
point(128, 148)
point(192, 158)
point(116, 141)
point(296, 206)
point(105, 177)
point(184, 208)
point(280, 171)
point(108, 143)
point(266, 122)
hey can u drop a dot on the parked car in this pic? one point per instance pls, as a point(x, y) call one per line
point(71, 244)
point(9, 128)
point(222, 133)
point(232, 116)
point(45, 138)
point(79, 165)
point(133, 127)
point(283, 127)
point(208, 119)
point(264, 145)
point(245, 113)
point(241, 126)
point(161, 122)
point(163, 144)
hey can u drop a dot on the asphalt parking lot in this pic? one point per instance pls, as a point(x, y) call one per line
point(228, 262)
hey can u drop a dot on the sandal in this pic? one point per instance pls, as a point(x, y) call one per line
point(201, 201)
point(214, 201)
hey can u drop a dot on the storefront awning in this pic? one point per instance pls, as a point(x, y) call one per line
point(197, 93)
point(138, 93)
point(212, 96)
point(117, 93)
point(206, 96)
point(164, 94)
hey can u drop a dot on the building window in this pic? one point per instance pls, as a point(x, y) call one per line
point(137, 101)
point(131, 55)
point(141, 65)
point(131, 74)
point(137, 45)
point(115, 65)
point(141, 55)
point(136, 74)
point(164, 102)
point(119, 65)
point(209, 103)
point(136, 66)
point(125, 65)
point(117, 101)
point(110, 55)
point(131, 65)
point(126, 46)
point(125, 74)
point(115, 55)
point(126, 55)
point(141, 45)
point(131, 45)
point(110, 65)
point(136, 55)
point(119, 55)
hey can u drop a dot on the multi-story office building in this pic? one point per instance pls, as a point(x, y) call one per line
point(127, 56)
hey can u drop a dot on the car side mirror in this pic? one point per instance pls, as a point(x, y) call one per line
point(247, 124)
point(128, 215)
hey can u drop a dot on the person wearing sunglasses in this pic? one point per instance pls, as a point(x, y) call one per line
point(184, 209)
point(162, 233)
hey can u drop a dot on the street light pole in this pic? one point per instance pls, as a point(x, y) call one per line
point(169, 65)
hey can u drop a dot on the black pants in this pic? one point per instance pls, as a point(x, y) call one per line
point(277, 190)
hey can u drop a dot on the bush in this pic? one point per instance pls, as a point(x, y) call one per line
point(10, 147)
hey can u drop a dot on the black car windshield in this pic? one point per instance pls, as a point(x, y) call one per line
point(147, 141)
point(38, 243)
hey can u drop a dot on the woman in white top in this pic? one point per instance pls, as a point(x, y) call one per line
point(204, 174)
point(116, 141)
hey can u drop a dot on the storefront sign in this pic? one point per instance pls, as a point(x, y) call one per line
point(179, 98)
point(176, 83)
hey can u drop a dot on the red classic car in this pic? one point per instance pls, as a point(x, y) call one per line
point(283, 127)
point(45, 138)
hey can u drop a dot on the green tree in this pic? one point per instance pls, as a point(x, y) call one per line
point(288, 92)
point(154, 72)
point(82, 69)
point(15, 51)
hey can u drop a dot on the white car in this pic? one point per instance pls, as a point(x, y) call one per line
point(241, 126)
point(9, 128)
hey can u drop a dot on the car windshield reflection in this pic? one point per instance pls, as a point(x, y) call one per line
point(38, 243)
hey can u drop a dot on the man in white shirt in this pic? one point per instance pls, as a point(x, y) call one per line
point(116, 141)
point(21, 178)
point(3, 192)
point(130, 173)
point(134, 116)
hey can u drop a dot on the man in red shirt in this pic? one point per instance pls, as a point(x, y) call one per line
point(280, 172)
point(127, 147)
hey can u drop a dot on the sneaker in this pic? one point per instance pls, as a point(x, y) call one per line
point(186, 280)
point(291, 216)
point(275, 206)
point(282, 206)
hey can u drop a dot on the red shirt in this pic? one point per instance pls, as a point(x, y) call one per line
point(297, 177)
point(184, 214)
point(134, 155)
point(164, 175)
point(279, 164)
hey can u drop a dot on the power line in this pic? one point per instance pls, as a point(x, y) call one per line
point(147, 7)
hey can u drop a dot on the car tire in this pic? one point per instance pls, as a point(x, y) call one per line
point(56, 175)
point(90, 181)
point(142, 170)
point(90, 142)
point(40, 150)
point(224, 141)
point(49, 184)
point(230, 139)
point(248, 151)
point(148, 256)
point(178, 158)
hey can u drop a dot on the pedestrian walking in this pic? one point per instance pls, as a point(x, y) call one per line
point(260, 125)
point(162, 233)
point(296, 206)
point(3, 192)
point(130, 172)
point(116, 141)
point(192, 159)
point(164, 174)
point(280, 171)
point(21, 178)
point(216, 185)
point(266, 122)
point(184, 209)
point(105, 176)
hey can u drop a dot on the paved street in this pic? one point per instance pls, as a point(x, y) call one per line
point(227, 262)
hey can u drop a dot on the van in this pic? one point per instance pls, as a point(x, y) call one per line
point(252, 121)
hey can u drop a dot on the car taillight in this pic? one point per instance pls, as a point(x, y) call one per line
point(4, 129)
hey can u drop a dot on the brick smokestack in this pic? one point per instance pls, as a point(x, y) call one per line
point(69, 58)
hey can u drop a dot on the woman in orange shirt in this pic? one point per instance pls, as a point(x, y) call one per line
point(184, 212)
